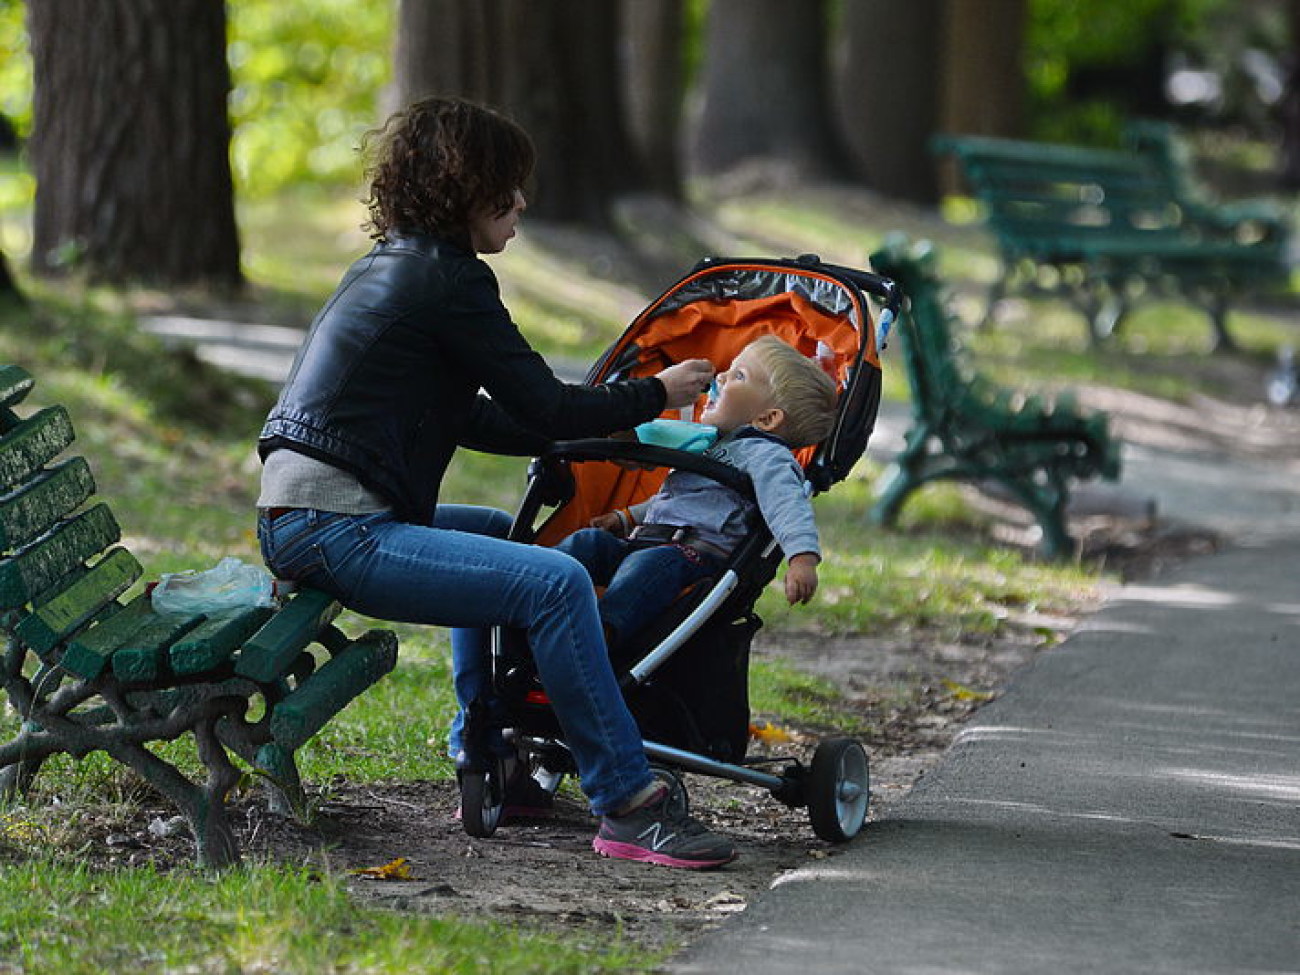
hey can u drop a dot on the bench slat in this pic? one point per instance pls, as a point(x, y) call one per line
point(41, 502)
point(142, 657)
point(215, 641)
point(271, 652)
point(87, 654)
point(71, 608)
point(326, 692)
point(15, 383)
point(36, 568)
point(33, 443)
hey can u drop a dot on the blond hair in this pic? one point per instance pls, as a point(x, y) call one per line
point(800, 388)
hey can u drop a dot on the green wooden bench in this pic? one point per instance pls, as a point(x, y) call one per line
point(87, 668)
point(1105, 228)
point(965, 427)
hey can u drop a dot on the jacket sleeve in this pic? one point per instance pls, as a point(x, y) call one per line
point(779, 488)
point(527, 400)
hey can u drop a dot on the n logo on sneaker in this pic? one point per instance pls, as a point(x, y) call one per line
point(655, 841)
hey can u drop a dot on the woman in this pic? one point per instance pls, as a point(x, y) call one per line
point(390, 380)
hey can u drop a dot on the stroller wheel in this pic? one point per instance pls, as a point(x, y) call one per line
point(838, 789)
point(482, 797)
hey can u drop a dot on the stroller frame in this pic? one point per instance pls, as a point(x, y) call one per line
point(835, 785)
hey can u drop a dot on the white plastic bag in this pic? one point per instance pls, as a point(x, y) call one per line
point(230, 584)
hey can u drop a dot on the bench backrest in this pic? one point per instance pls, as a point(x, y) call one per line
point(943, 386)
point(61, 567)
point(62, 573)
point(1043, 194)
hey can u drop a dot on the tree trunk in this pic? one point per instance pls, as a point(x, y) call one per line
point(442, 48)
point(983, 59)
point(130, 142)
point(765, 89)
point(554, 69)
point(8, 286)
point(1289, 109)
point(887, 80)
point(654, 74)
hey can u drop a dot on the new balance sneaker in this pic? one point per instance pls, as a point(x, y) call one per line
point(662, 831)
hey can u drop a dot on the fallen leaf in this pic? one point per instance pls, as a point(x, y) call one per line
point(963, 693)
point(769, 733)
point(392, 870)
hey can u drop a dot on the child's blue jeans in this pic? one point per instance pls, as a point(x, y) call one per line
point(462, 573)
point(641, 582)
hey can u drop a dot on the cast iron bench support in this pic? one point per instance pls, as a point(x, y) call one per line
point(966, 428)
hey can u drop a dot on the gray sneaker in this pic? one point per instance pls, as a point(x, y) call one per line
point(662, 832)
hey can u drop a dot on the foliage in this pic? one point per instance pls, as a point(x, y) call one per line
point(307, 81)
point(1124, 38)
point(15, 66)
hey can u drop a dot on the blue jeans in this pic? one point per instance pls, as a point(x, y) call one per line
point(640, 582)
point(462, 573)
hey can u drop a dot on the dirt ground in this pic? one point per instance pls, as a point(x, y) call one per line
point(912, 690)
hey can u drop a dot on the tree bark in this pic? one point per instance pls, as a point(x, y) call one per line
point(654, 73)
point(1289, 109)
point(554, 69)
point(130, 142)
point(765, 89)
point(8, 286)
point(983, 60)
point(442, 48)
point(888, 88)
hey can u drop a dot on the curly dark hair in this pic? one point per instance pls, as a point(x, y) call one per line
point(441, 161)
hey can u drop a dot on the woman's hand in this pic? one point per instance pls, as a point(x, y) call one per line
point(686, 382)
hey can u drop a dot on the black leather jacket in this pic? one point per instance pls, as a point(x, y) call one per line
point(387, 383)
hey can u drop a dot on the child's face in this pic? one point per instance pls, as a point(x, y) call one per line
point(490, 232)
point(744, 395)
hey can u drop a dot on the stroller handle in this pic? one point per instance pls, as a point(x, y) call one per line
point(886, 289)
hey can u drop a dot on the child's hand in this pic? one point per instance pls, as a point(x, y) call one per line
point(801, 578)
point(611, 522)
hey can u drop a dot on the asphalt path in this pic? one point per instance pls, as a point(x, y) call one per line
point(1130, 804)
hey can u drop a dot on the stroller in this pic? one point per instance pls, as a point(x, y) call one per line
point(685, 678)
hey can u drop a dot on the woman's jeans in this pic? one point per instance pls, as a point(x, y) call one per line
point(462, 573)
point(641, 582)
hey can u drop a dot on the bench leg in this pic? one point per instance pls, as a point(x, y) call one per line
point(284, 794)
point(17, 776)
point(1221, 340)
point(1047, 504)
point(898, 483)
point(1105, 305)
point(203, 807)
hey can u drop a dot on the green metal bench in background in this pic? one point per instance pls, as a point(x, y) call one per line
point(88, 669)
point(964, 427)
point(1106, 228)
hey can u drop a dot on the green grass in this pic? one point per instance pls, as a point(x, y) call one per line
point(799, 699)
point(64, 919)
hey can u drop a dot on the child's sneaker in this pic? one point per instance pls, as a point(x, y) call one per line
point(661, 831)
